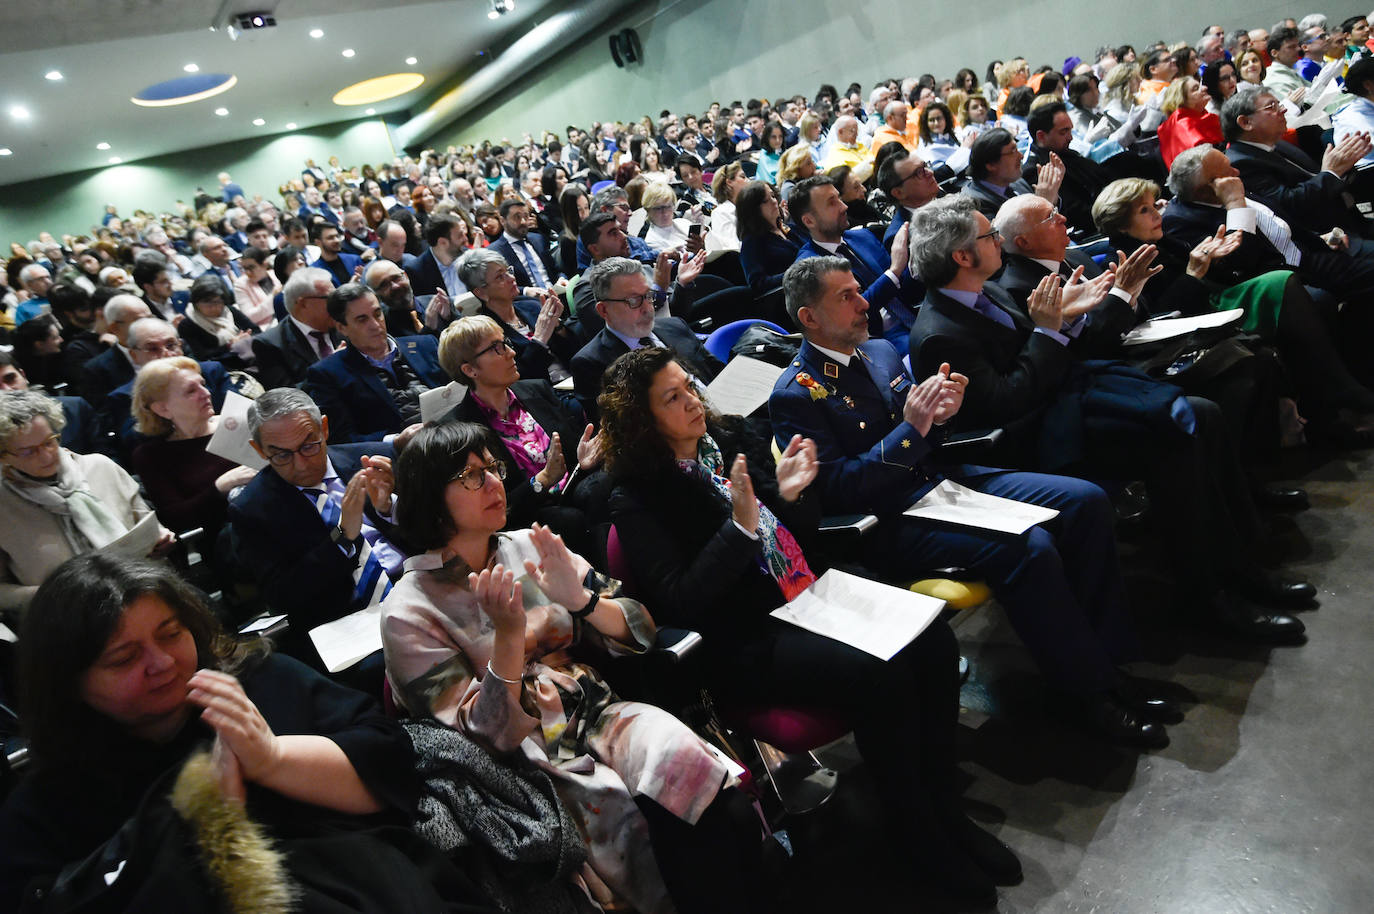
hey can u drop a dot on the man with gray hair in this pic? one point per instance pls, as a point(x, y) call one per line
point(286, 350)
point(115, 366)
point(313, 528)
point(1210, 48)
point(1308, 195)
point(150, 339)
point(36, 280)
point(626, 302)
point(1096, 420)
point(879, 436)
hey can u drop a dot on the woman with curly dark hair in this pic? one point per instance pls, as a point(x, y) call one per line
point(709, 535)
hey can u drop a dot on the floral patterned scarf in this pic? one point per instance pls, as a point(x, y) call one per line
point(782, 557)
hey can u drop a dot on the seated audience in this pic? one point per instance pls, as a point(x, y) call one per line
point(935, 127)
point(994, 169)
point(1051, 131)
point(858, 209)
point(1060, 415)
point(728, 181)
point(1358, 115)
point(437, 267)
point(340, 265)
point(543, 346)
point(391, 285)
point(660, 230)
point(796, 164)
point(495, 633)
point(302, 802)
point(188, 486)
point(575, 206)
point(56, 503)
point(712, 538)
point(283, 353)
point(115, 366)
point(214, 331)
point(767, 244)
point(38, 349)
point(370, 389)
point(1277, 306)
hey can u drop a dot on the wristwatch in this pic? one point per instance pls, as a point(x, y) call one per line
point(339, 537)
point(536, 486)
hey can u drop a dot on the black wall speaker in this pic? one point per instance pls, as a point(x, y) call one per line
point(625, 48)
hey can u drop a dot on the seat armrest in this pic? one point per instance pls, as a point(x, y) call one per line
point(848, 523)
point(676, 643)
point(962, 444)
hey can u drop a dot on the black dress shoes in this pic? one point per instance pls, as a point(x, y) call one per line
point(1109, 716)
point(982, 847)
point(1271, 591)
point(1138, 696)
point(1279, 498)
point(1236, 617)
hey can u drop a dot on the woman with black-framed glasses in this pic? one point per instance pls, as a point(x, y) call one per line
point(495, 634)
point(550, 455)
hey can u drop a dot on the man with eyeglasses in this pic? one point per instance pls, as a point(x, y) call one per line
point(1308, 195)
point(910, 183)
point(890, 290)
point(370, 389)
point(1099, 304)
point(1060, 415)
point(150, 339)
point(313, 528)
point(626, 302)
point(994, 168)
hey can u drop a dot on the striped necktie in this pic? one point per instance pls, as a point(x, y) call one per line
point(370, 580)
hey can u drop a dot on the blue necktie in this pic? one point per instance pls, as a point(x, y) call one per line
point(984, 306)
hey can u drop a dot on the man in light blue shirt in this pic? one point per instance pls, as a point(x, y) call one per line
point(1358, 116)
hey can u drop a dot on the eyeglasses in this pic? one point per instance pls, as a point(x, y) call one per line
point(635, 302)
point(494, 347)
point(922, 170)
point(24, 453)
point(1269, 109)
point(1054, 214)
point(994, 234)
point(280, 457)
point(473, 478)
point(156, 348)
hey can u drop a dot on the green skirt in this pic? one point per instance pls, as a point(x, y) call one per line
point(1260, 298)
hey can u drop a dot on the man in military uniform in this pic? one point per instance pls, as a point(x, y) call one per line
point(878, 437)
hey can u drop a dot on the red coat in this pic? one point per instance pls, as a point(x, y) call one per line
point(1184, 129)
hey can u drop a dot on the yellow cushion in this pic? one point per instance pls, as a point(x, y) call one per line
point(956, 594)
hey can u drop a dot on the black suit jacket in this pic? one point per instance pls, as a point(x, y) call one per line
point(522, 276)
point(346, 388)
point(103, 374)
point(1014, 373)
point(1100, 337)
point(1292, 185)
point(283, 354)
point(281, 542)
point(593, 359)
point(1084, 179)
point(989, 203)
point(425, 278)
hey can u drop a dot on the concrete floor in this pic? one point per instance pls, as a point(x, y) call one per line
point(1262, 803)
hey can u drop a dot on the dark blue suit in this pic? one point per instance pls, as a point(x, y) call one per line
point(870, 264)
point(282, 544)
point(346, 388)
point(1062, 591)
point(900, 217)
point(425, 277)
point(523, 278)
point(305, 215)
point(350, 264)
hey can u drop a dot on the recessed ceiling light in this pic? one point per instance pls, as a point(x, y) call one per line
point(411, 61)
point(6, 151)
point(317, 33)
point(291, 126)
point(370, 111)
point(348, 52)
point(115, 160)
point(54, 75)
point(19, 113)
point(102, 146)
point(493, 14)
point(191, 68)
point(222, 112)
point(258, 122)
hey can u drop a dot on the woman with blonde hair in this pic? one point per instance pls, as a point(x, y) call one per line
point(1014, 73)
point(188, 486)
point(1188, 123)
point(796, 164)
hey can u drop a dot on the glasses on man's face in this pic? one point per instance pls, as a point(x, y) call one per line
point(473, 478)
point(922, 170)
point(281, 456)
point(635, 302)
point(994, 234)
point(1270, 108)
point(1054, 214)
point(164, 347)
point(24, 453)
point(500, 345)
